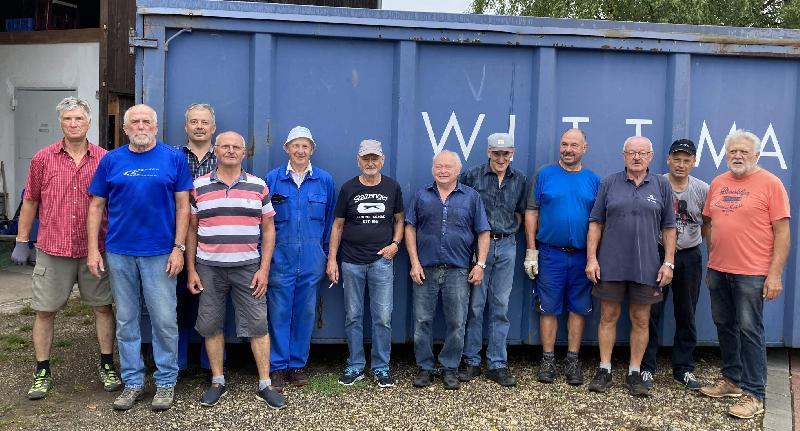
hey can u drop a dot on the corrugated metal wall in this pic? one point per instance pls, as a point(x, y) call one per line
point(422, 82)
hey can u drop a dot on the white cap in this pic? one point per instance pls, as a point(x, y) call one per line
point(299, 132)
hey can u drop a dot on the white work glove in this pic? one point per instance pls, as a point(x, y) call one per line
point(531, 263)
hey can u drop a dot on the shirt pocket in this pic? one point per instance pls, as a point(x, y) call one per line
point(280, 204)
point(459, 216)
point(316, 206)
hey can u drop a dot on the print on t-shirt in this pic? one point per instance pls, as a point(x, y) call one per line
point(731, 199)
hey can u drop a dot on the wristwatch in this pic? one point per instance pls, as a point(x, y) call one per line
point(181, 247)
point(669, 265)
point(481, 264)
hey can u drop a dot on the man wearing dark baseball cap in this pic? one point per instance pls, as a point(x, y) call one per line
point(689, 195)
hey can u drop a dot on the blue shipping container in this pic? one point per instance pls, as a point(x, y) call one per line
point(422, 82)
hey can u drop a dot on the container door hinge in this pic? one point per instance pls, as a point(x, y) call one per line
point(139, 42)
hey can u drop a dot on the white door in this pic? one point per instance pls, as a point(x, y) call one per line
point(36, 126)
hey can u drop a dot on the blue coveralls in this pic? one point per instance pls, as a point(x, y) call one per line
point(303, 219)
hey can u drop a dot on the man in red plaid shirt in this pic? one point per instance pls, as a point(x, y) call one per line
point(57, 185)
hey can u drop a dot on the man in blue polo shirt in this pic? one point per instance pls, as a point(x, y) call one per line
point(556, 222)
point(443, 220)
point(632, 208)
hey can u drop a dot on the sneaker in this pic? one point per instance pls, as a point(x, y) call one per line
point(721, 388)
point(298, 377)
point(42, 383)
point(635, 385)
point(212, 395)
point(689, 381)
point(450, 379)
point(163, 399)
point(602, 381)
point(350, 376)
point(746, 407)
point(110, 379)
point(279, 379)
point(648, 380)
point(501, 376)
point(572, 372)
point(383, 378)
point(272, 397)
point(424, 378)
point(128, 398)
point(547, 370)
point(467, 372)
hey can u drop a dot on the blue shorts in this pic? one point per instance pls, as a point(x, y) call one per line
point(562, 276)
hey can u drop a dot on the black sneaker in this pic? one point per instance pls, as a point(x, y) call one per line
point(573, 373)
point(501, 376)
point(601, 382)
point(212, 395)
point(350, 376)
point(383, 378)
point(635, 385)
point(468, 372)
point(547, 370)
point(689, 381)
point(272, 397)
point(450, 379)
point(424, 378)
point(649, 380)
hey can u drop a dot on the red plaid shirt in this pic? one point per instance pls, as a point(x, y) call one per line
point(60, 187)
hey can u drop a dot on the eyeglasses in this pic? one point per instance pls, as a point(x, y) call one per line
point(234, 148)
point(641, 154)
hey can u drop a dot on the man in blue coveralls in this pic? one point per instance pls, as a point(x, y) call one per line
point(303, 197)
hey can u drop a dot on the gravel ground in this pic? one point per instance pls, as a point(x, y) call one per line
point(79, 403)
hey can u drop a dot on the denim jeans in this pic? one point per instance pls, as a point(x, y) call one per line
point(135, 278)
point(738, 310)
point(498, 280)
point(685, 288)
point(378, 276)
point(453, 284)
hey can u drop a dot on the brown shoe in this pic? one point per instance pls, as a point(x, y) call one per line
point(278, 380)
point(298, 377)
point(746, 407)
point(721, 388)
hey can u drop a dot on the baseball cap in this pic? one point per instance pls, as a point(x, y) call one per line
point(299, 132)
point(685, 145)
point(501, 141)
point(370, 146)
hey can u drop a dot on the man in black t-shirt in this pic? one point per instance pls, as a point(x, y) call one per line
point(367, 230)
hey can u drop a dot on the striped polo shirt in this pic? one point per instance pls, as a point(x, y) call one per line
point(229, 218)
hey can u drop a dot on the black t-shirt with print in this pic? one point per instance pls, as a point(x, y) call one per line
point(368, 213)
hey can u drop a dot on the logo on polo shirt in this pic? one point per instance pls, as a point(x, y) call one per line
point(370, 208)
point(146, 172)
point(652, 199)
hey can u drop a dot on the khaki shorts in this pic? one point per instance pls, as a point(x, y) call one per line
point(54, 276)
point(615, 291)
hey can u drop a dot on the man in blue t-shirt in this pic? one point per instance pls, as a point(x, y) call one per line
point(633, 207)
point(556, 222)
point(145, 187)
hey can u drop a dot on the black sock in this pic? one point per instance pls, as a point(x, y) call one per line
point(107, 358)
point(43, 365)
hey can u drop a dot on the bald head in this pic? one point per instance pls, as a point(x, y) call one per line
point(571, 149)
point(140, 123)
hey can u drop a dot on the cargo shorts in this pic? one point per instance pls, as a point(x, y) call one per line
point(54, 277)
point(218, 283)
point(615, 291)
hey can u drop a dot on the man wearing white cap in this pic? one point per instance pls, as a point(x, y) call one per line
point(502, 189)
point(366, 235)
point(303, 197)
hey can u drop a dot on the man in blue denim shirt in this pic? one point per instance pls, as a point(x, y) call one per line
point(502, 189)
point(441, 225)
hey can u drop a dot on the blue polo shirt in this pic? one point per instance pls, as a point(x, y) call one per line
point(564, 200)
point(446, 231)
point(632, 220)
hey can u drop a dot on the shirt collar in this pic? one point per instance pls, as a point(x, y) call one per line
point(646, 179)
point(486, 169)
point(91, 149)
point(459, 187)
point(215, 178)
point(188, 150)
point(309, 170)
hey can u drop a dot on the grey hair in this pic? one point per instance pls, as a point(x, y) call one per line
point(231, 132)
point(127, 115)
point(70, 103)
point(627, 141)
point(205, 106)
point(744, 135)
point(453, 153)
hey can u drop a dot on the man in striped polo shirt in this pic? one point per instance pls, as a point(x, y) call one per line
point(230, 209)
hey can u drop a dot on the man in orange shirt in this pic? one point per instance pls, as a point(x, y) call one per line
point(748, 213)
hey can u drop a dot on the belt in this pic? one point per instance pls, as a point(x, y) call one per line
point(444, 266)
point(498, 235)
point(569, 250)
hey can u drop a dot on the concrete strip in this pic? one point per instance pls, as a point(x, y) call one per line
point(16, 291)
point(778, 404)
